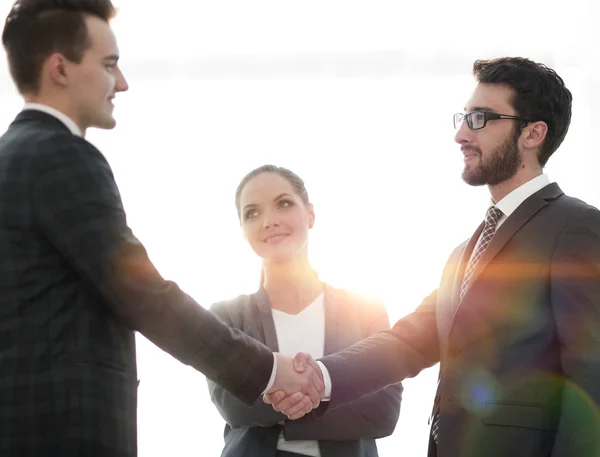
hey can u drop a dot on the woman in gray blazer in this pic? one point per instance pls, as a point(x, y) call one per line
point(293, 311)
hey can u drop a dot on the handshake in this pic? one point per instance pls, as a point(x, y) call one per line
point(298, 386)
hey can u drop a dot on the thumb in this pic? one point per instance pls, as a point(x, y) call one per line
point(300, 361)
point(273, 398)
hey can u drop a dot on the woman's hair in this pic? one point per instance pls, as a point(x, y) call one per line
point(296, 182)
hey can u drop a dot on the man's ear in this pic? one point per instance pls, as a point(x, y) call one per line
point(57, 68)
point(534, 135)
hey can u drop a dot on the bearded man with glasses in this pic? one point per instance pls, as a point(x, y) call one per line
point(515, 322)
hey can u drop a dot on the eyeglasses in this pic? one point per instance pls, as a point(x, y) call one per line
point(477, 120)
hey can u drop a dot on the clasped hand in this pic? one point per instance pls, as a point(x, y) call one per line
point(298, 387)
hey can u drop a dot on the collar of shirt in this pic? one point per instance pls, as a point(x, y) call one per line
point(69, 123)
point(513, 200)
point(316, 306)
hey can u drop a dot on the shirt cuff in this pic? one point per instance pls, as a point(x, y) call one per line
point(326, 381)
point(272, 378)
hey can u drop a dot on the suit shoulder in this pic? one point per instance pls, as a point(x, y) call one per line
point(44, 143)
point(454, 256)
point(575, 206)
point(232, 305)
point(573, 212)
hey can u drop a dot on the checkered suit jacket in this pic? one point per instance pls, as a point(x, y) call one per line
point(75, 284)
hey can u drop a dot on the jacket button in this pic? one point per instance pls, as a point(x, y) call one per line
point(454, 352)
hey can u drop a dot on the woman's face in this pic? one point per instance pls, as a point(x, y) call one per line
point(274, 219)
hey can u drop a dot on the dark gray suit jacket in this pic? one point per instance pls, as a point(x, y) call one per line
point(349, 431)
point(74, 285)
point(520, 355)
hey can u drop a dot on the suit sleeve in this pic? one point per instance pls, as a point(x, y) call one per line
point(236, 413)
point(76, 205)
point(385, 358)
point(373, 416)
point(576, 306)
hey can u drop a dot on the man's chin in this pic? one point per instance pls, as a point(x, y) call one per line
point(472, 178)
point(108, 123)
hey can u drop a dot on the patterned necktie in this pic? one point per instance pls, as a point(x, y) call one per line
point(489, 229)
point(435, 426)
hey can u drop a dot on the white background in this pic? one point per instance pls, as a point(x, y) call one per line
point(356, 97)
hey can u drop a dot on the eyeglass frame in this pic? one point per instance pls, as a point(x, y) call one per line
point(487, 116)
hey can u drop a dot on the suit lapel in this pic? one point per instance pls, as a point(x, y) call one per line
point(462, 265)
point(332, 323)
point(265, 315)
point(505, 232)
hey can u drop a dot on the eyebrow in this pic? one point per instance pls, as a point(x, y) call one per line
point(113, 58)
point(280, 196)
point(481, 108)
point(254, 205)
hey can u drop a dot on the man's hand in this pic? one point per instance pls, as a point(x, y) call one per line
point(285, 397)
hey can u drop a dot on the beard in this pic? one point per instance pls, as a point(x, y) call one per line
point(502, 164)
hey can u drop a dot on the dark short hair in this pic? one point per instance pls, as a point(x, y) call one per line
point(35, 29)
point(296, 182)
point(539, 94)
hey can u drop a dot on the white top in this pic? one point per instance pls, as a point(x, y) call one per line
point(302, 332)
point(69, 123)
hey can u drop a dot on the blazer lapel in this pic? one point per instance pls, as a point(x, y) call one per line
point(332, 319)
point(508, 229)
point(460, 270)
point(333, 325)
point(263, 309)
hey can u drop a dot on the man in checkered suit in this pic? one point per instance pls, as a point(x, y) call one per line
point(75, 283)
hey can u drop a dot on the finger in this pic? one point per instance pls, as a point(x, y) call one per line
point(309, 408)
point(313, 364)
point(303, 408)
point(288, 402)
point(274, 397)
point(317, 376)
point(313, 394)
point(318, 383)
point(301, 360)
point(298, 411)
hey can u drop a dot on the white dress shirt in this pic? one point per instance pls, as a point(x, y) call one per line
point(302, 332)
point(513, 200)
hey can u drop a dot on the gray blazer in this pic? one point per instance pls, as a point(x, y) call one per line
point(519, 355)
point(349, 431)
